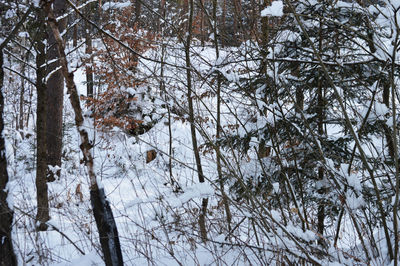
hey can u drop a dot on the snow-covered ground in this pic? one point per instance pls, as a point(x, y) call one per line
point(157, 204)
point(157, 225)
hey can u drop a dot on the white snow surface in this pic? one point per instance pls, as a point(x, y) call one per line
point(115, 5)
point(274, 10)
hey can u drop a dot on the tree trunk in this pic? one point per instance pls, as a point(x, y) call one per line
point(138, 11)
point(202, 23)
point(386, 128)
point(184, 6)
point(264, 38)
point(218, 126)
point(88, 68)
point(237, 30)
point(163, 13)
point(166, 98)
point(321, 118)
point(22, 99)
point(7, 255)
point(203, 231)
point(88, 51)
point(222, 29)
point(42, 215)
point(105, 221)
point(108, 231)
point(55, 94)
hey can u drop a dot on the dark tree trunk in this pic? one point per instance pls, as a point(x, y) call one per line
point(107, 228)
point(42, 215)
point(138, 11)
point(7, 255)
point(55, 94)
point(237, 30)
point(162, 18)
point(75, 36)
point(88, 51)
point(105, 222)
point(265, 28)
point(222, 29)
point(88, 69)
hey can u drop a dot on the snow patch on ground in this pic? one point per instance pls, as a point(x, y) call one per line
point(274, 10)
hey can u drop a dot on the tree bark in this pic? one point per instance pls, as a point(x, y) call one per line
point(105, 221)
point(42, 215)
point(138, 11)
point(55, 94)
point(7, 255)
point(222, 29)
point(88, 51)
point(161, 20)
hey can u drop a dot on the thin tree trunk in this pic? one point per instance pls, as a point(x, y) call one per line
point(88, 51)
point(138, 11)
point(174, 184)
point(264, 38)
point(218, 131)
point(254, 19)
point(237, 24)
point(75, 36)
point(184, 5)
point(202, 216)
point(202, 24)
point(222, 30)
point(42, 215)
point(386, 128)
point(21, 101)
point(88, 68)
point(395, 152)
point(7, 255)
point(263, 150)
point(137, 23)
point(55, 94)
point(321, 117)
point(105, 221)
point(162, 12)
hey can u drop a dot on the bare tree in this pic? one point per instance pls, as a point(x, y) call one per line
point(41, 122)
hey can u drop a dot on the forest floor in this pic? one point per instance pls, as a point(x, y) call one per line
point(157, 224)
